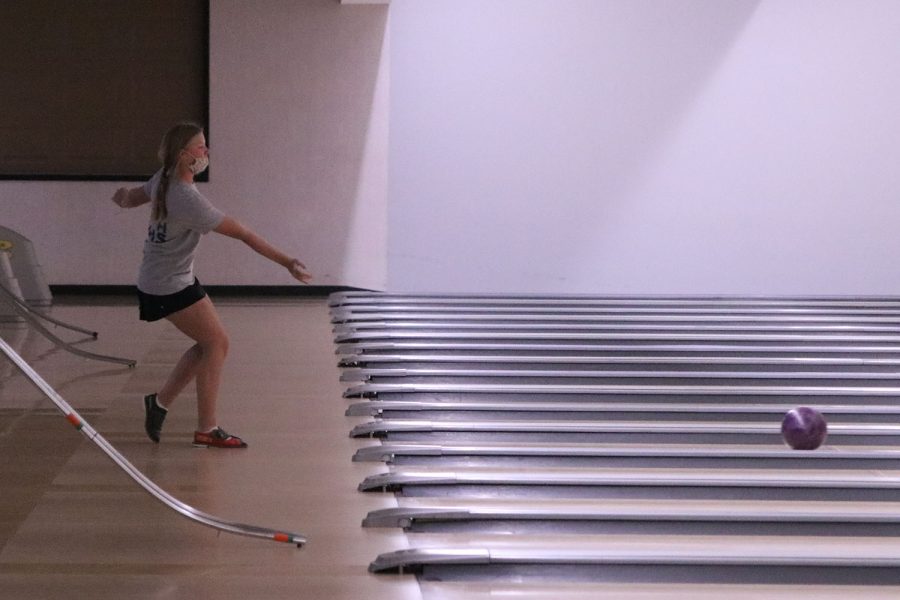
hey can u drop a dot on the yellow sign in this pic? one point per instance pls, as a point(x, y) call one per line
point(6, 245)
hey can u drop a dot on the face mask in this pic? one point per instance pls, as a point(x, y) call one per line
point(199, 165)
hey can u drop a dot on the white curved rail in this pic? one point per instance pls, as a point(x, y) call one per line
point(32, 316)
point(154, 490)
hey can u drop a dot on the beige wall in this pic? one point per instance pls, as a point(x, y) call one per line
point(298, 132)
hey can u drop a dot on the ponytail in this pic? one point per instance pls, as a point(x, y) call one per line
point(173, 142)
point(160, 212)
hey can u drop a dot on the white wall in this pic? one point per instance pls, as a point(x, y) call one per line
point(298, 136)
point(598, 146)
point(645, 146)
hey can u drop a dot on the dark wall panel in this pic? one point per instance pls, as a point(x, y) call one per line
point(90, 86)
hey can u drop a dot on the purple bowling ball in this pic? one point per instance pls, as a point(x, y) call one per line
point(804, 428)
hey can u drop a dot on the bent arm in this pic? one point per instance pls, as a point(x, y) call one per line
point(130, 197)
point(233, 228)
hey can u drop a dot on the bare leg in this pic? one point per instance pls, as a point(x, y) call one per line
point(203, 361)
point(183, 373)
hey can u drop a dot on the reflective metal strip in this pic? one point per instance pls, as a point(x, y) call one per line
point(623, 348)
point(533, 325)
point(668, 427)
point(863, 480)
point(342, 299)
point(154, 490)
point(508, 336)
point(645, 390)
point(377, 407)
point(400, 560)
point(632, 511)
point(360, 360)
point(369, 373)
point(388, 450)
point(367, 314)
point(799, 551)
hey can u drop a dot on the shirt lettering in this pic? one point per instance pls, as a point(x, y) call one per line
point(156, 232)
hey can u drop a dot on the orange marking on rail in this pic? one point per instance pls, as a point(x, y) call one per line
point(74, 420)
point(282, 537)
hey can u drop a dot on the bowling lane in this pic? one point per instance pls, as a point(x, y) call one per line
point(579, 362)
point(744, 340)
point(522, 434)
point(447, 410)
point(373, 314)
point(791, 560)
point(624, 348)
point(591, 516)
point(676, 432)
point(525, 455)
point(646, 483)
point(698, 394)
point(540, 376)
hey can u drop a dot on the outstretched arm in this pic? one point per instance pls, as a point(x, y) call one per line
point(237, 230)
point(130, 197)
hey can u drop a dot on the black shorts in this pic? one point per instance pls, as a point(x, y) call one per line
point(154, 308)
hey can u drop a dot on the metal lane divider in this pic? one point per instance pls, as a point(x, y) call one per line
point(538, 326)
point(148, 485)
point(486, 391)
point(609, 431)
point(722, 517)
point(365, 315)
point(453, 454)
point(576, 336)
point(647, 483)
point(653, 559)
point(350, 299)
point(410, 408)
point(572, 361)
point(471, 422)
point(490, 375)
point(628, 348)
point(590, 360)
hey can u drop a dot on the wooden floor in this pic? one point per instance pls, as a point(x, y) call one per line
point(72, 525)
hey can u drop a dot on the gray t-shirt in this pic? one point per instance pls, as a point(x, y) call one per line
point(168, 264)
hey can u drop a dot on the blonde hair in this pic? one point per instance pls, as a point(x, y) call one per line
point(174, 141)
